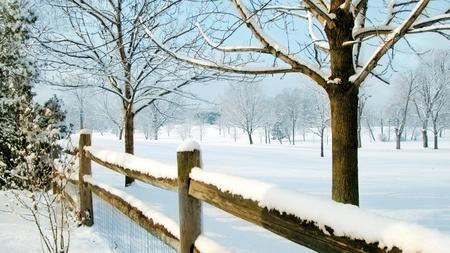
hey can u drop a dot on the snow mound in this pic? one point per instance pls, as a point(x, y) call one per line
point(345, 220)
point(85, 131)
point(206, 245)
point(188, 145)
point(142, 165)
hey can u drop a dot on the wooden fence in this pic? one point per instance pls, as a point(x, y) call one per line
point(191, 192)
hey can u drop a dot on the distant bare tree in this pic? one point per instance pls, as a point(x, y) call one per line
point(320, 117)
point(400, 108)
point(431, 96)
point(363, 96)
point(242, 106)
point(291, 101)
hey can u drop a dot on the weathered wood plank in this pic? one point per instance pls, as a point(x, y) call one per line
point(288, 226)
point(164, 183)
point(86, 212)
point(137, 216)
point(190, 209)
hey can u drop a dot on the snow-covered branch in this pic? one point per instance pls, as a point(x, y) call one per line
point(320, 43)
point(425, 25)
point(296, 65)
point(393, 37)
point(238, 49)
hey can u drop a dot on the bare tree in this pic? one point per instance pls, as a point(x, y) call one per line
point(242, 106)
point(320, 115)
point(431, 97)
point(156, 116)
point(291, 106)
point(338, 29)
point(105, 41)
point(400, 108)
point(363, 96)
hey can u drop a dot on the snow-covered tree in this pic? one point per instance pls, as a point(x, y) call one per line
point(399, 109)
point(242, 107)
point(28, 131)
point(320, 115)
point(432, 88)
point(290, 103)
point(344, 44)
point(105, 42)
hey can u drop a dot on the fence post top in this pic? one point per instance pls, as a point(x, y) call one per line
point(85, 131)
point(188, 145)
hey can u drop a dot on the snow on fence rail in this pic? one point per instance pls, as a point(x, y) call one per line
point(321, 225)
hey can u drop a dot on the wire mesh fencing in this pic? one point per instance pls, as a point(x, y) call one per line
point(123, 234)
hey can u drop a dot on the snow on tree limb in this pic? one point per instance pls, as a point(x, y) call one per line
point(319, 9)
point(320, 43)
point(425, 25)
point(393, 37)
point(237, 49)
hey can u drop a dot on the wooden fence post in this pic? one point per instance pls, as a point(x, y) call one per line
point(190, 209)
point(86, 215)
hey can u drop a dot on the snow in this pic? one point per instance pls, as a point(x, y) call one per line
point(155, 216)
point(188, 145)
point(205, 245)
point(85, 131)
point(142, 165)
point(410, 185)
point(20, 235)
point(345, 220)
point(336, 80)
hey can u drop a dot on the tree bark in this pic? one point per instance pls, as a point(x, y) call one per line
point(435, 132)
point(359, 137)
point(250, 139)
point(425, 138)
point(120, 133)
point(293, 133)
point(321, 142)
point(344, 107)
point(398, 137)
point(344, 110)
point(129, 139)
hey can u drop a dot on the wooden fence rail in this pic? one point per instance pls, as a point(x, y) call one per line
point(190, 194)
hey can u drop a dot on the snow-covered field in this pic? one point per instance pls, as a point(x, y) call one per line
point(19, 233)
point(409, 184)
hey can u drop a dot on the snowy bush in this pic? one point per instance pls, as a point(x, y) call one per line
point(29, 131)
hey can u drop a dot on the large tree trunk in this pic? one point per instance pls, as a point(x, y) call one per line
point(425, 138)
point(129, 139)
point(344, 110)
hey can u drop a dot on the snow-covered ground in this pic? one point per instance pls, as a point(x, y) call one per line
point(19, 233)
point(409, 184)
